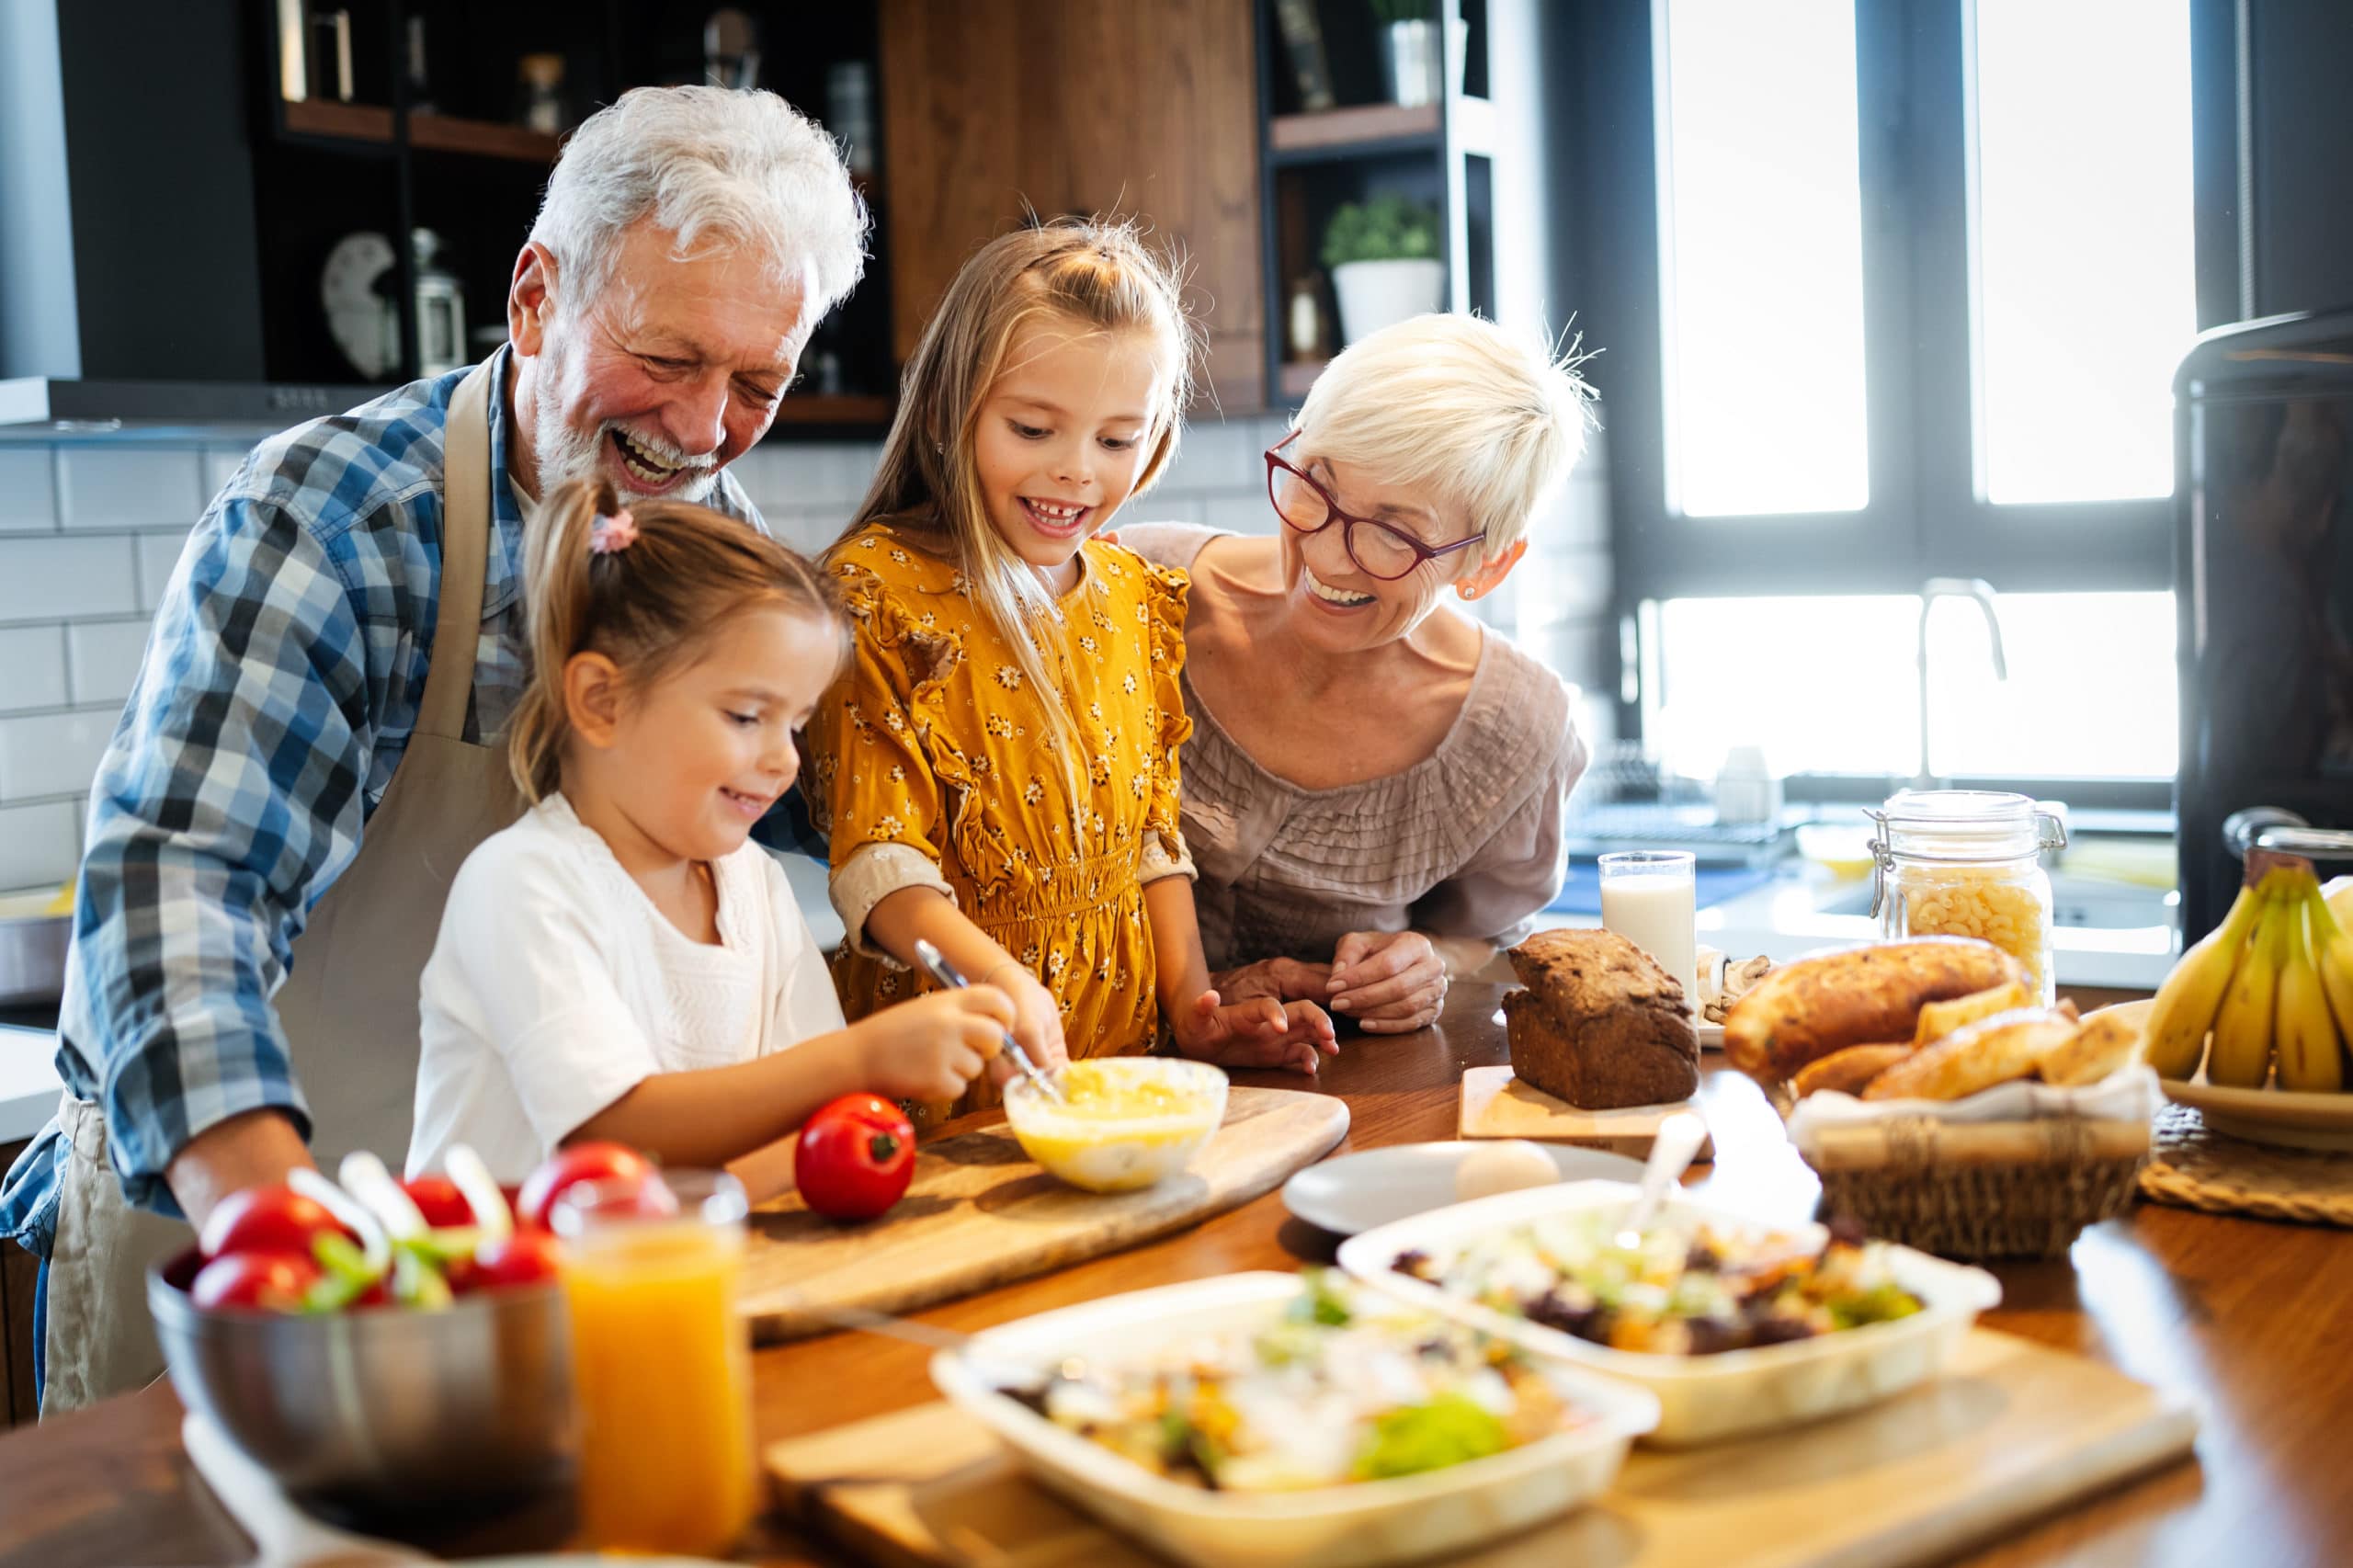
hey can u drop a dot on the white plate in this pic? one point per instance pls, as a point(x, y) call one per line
point(1438, 1514)
point(1704, 1398)
point(1356, 1192)
point(2259, 1116)
point(1712, 1036)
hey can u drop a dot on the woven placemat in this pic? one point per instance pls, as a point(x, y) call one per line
point(2196, 1168)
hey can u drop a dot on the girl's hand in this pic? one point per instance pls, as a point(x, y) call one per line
point(1258, 1032)
point(1285, 980)
point(1036, 1022)
point(931, 1047)
point(1388, 982)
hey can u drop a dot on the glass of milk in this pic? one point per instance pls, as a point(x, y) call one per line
point(1647, 898)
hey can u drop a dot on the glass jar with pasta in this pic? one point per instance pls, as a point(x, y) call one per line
point(1969, 863)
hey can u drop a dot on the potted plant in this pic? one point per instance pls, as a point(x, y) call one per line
point(1384, 254)
point(1409, 51)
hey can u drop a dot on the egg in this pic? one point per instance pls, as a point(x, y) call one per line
point(1503, 1167)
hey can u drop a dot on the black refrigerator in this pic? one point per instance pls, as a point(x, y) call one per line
point(2263, 574)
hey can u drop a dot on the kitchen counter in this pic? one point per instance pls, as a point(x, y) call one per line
point(2236, 1316)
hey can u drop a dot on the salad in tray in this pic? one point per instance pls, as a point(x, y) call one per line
point(1680, 1290)
point(1348, 1386)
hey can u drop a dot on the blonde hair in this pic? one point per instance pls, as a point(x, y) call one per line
point(1492, 420)
point(651, 606)
point(1097, 274)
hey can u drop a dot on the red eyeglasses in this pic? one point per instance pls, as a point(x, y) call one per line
point(1377, 549)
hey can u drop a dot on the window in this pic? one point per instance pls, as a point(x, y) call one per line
point(2085, 297)
point(1761, 231)
point(1888, 294)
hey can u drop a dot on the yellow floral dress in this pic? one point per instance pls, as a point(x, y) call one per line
point(932, 745)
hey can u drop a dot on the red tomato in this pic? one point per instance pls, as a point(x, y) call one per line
point(854, 1158)
point(438, 1198)
point(268, 1219)
point(264, 1281)
point(526, 1257)
point(615, 1163)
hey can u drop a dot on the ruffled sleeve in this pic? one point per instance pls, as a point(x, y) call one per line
point(1165, 593)
point(880, 785)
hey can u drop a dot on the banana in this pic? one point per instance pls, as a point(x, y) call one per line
point(2188, 1001)
point(2242, 1055)
point(2302, 1032)
point(2332, 957)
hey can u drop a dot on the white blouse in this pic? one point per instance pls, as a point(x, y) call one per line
point(556, 986)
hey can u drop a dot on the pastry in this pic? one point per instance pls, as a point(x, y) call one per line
point(1977, 1056)
point(1808, 1009)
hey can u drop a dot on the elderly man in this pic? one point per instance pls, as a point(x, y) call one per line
point(305, 761)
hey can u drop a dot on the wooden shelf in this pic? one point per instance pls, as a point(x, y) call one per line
point(815, 408)
point(1298, 375)
point(339, 121)
point(481, 137)
point(1340, 132)
point(427, 132)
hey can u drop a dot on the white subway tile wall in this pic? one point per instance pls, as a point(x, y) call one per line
point(90, 532)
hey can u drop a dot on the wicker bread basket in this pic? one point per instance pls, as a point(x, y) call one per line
point(1978, 1191)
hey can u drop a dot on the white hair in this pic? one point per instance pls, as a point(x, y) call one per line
point(714, 166)
point(1492, 420)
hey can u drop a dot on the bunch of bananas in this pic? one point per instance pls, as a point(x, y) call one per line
point(2273, 986)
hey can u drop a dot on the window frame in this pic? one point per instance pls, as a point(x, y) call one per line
point(1927, 515)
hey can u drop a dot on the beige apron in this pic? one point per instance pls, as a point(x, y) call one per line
point(350, 1004)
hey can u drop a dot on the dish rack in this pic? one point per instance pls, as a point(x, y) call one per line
point(1978, 1191)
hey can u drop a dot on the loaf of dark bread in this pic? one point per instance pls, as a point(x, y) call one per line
point(1600, 1025)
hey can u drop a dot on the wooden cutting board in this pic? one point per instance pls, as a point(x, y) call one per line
point(1496, 1104)
point(980, 1214)
point(2010, 1432)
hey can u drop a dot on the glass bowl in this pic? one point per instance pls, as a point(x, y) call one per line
point(1131, 1120)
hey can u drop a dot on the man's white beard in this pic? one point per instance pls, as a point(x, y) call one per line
point(566, 454)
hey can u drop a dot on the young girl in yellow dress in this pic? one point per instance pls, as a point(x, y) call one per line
point(997, 770)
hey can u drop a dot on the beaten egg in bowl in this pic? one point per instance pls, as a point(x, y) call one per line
point(1129, 1121)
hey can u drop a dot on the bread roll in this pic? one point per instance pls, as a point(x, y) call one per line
point(1819, 1004)
point(2104, 1043)
point(1848, 1071)
point(1978, 1056)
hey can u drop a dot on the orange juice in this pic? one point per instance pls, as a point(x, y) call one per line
point(662, 1364)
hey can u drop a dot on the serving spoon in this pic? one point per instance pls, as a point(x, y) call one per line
point(1679, 1137)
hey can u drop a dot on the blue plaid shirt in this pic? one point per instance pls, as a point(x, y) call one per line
point(281, 685)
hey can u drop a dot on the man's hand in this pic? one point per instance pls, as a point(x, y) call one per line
point(252, 1149)
point(1388, 982)
point(1260, 1032)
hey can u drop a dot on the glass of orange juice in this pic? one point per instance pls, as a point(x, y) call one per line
point(661, 1360)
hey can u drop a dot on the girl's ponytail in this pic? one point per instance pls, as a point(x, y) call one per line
point(556, 590)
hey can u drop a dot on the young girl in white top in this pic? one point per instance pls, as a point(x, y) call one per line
point(623, 962)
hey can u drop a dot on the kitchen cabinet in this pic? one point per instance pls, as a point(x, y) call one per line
point(992, 109)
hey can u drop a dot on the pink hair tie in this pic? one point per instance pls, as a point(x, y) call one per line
point(611, 534)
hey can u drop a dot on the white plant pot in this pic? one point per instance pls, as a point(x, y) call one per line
point(1375, 295)
point(1410, 61)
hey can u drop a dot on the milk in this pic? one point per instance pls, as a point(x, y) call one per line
point(1656, 911)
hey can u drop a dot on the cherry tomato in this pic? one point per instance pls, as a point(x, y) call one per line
point(438, 1198)
point(854, 1158)
point(526, 1257)
point(264, 1281)
point(615, 1163)
point(268, 1219)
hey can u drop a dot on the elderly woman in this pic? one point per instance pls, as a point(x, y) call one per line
point(1374, 783)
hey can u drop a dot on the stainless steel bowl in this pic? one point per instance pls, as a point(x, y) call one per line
point(381, 1407)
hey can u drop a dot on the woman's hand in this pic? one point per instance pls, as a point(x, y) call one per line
point(1284, 979)
point(1038, 1022)
point(1258, 1032)
point(1388, 982)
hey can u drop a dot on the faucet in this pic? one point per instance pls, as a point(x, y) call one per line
point(1936, 588)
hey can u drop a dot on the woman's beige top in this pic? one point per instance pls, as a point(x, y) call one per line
point(1464, 843)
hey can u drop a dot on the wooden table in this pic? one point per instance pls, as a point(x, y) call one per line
point(2241, 1317)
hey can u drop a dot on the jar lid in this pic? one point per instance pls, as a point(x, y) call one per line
point(1990, 812)
point(1958, 827)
